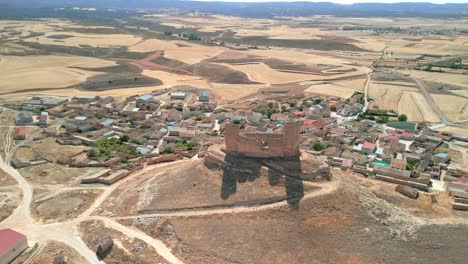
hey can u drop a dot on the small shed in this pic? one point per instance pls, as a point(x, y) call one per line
point(104, 247)
point(204, 97)
point(23, 118)
point(12, 244)
point(178, 96)
point(59, 259)
point(20, 133)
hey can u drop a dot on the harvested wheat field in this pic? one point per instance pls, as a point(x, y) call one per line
point(331, 89)
point(404, 97)
point(259, 72)
point(448, 78)
point(454, 107)
point(416, 107)
point(171, 79)
point(29, 72)
point(79, 39)
point(455, 130)
point(356, 84)
point(298, 56)
point(231, 92)
point(153, 45)
point(193, 53)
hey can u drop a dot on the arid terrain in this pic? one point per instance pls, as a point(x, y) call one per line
point(172, 207)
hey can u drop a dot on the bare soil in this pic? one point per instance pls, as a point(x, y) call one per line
point(52, 249)
point(66, 205)
point(351, 225)
point(52, 173)
point(125, 249)
point(194, 186)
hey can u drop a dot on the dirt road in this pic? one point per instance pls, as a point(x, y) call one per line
point(431, 101)
point(65, 232)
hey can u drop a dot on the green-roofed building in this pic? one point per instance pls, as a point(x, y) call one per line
point(407, 126)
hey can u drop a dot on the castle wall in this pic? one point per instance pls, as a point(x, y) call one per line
point(261, 145)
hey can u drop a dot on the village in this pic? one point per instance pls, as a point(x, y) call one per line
point(122, 136)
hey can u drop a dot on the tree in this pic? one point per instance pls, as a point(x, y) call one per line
point(124, 138)
point(318, 146)
point(168, 150)
point(283, 108)
point(236, 121)
point(92, 153)
point(382, 119)
point(403, 118)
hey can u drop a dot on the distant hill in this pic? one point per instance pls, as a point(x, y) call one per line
point(253, 9)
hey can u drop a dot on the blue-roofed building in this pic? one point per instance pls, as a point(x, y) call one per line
point(145, 97)
point(23, 118)
point(106, 122)
point(109, 134)
point(163, 130)
point(204, 96)
point(441, 157)
point(143, 150)
point(357, 147)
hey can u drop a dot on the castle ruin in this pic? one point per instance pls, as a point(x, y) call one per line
point(263, 145)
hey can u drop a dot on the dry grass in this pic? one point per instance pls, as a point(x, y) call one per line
point(64, 206)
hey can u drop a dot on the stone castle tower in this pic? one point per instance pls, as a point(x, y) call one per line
point(263, 145)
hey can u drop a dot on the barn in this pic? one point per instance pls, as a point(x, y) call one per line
point(12, 244)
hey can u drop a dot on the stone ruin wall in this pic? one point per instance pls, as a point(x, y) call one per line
point(259, 145)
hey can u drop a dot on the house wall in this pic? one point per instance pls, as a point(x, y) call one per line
point(14, 252)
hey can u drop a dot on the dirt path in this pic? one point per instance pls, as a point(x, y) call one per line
point(8, 140)
point(158, 245)
point(64, 232)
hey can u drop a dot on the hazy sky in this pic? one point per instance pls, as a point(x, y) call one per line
point(351, 1)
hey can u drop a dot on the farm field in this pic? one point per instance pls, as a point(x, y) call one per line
point(228, 135)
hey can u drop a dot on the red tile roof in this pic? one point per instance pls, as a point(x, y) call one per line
point(463, 181)
point(368, 145)
point(407, 134)
point(309, 124)
point(8, 239)
point(20, 131)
